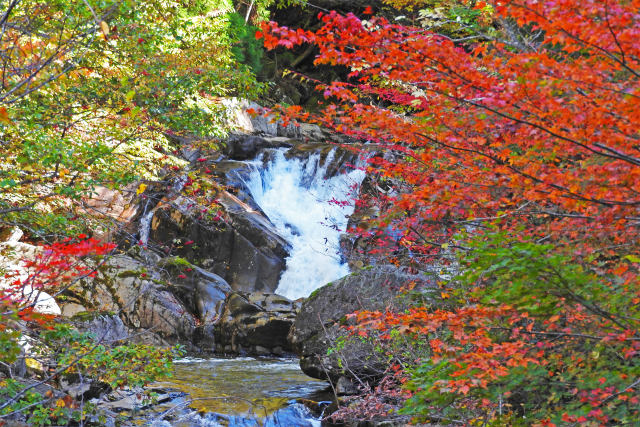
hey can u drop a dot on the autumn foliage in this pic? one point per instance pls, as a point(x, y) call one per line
point(514, 150)
point(54, 268)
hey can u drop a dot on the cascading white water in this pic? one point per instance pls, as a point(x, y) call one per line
point(296, 198)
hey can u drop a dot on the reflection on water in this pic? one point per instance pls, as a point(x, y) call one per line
point(236, 392)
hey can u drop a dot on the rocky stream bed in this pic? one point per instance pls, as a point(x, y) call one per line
point(256, 293)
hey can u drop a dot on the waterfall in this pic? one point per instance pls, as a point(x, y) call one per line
point(150, 210)
point(310, 212)
point(145, 226)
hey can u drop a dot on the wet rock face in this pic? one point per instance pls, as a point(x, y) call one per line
point(243, 248)
point(202, 292)
point(105, 327)
point(340, 159)
point(318, 326)
point(255, 323)
point(245, 147)
point(171, 301)
point(164, 301)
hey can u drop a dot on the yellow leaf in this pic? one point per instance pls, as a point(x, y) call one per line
point(141, 189)
point(33, 364)
point(105, 28)
point(60, 403)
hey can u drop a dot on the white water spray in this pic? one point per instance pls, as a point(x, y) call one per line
point(296, 198)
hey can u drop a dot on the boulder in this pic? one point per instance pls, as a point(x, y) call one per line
point(234, 175)
point(255, 323)
point(203, 293)
point(318, 325)
point(10, 234)
point(269, 125)
point(247, 146)
point(137, 294)
point(243, 247)
point(240, 119)
point(104, 326)
point(117, 205)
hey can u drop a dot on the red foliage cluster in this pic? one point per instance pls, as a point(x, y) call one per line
point(541, 132)
point(54, 268)
point(532, 132)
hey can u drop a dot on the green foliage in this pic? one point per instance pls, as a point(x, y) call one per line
point(530, 276)
point(36, 405)
point(131, 364)
point(127, 365)
point(456, 18)
point(575, 324)
point(245, 47)
point(111, 81)
point(9, 346)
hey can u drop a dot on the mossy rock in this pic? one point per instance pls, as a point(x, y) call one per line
point(176, 261)
point(84, 316)
point(319, 323)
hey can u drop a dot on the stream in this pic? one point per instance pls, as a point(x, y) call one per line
point(237, 392)
point(310, 210)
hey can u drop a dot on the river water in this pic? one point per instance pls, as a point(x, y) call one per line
point(237, 392)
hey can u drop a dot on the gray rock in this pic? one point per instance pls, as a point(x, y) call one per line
point(201, 291)
point(245, 247)
point(345, 387)
point(105, 328)
point(318, 325)
point(10, 234)
point(130, 400)
point(313, 132)
point(210, 296)
point(257, 322)
point(244, 147)
point(135, 293)
point(234, 174)
point(266, 125)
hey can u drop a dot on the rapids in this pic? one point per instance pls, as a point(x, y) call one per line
point(310, 210)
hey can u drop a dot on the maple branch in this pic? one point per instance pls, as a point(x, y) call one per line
point(584, 42)
point(626, 158)
point(589, 305)
point(613, 34)
point(57, 372)
point(436, 244)
point(624, 390)
point(556, 334)
point(448, 72)
point(500, 162)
